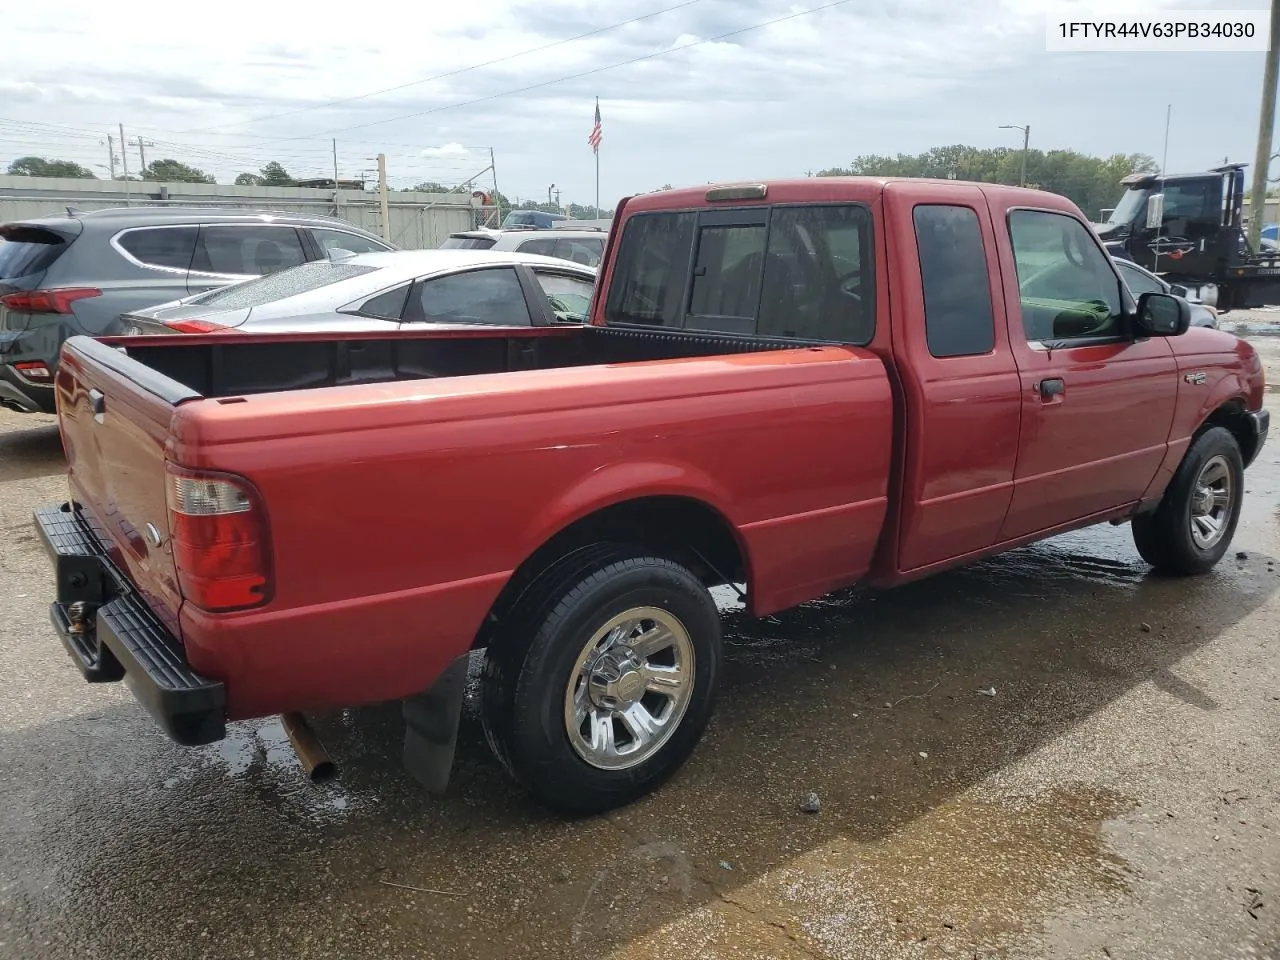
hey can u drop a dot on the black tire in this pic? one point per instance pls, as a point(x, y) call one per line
point(1163, 537)
point(534, 654)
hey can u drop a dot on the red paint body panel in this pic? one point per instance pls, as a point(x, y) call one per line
point(443, 487)
point(397, 511)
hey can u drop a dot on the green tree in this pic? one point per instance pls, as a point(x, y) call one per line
point(173, 171)
point(40, 167)
point(248, 180)
point(1092, 183)
point(275, 175)
point(430, 186)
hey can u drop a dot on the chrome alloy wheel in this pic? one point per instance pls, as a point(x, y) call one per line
point(629, 688)
point(1212, 501)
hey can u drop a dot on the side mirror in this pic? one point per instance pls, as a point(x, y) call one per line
point(1155, 211)
point(1162, 315)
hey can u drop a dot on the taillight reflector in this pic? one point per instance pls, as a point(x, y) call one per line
point(197, 326)
point(33, 370)
point(219, 540)
point(47, 301)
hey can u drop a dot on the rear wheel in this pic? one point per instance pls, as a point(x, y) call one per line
point(1192, 528)
point(605, 682)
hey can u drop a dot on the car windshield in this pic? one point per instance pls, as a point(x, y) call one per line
point(1129, 206)
point(276, 286)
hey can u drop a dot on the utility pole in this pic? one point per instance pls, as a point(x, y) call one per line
point(1266, 126)
point(124, 161)
point(493, 168)
point(111, 155)
point(335, 163)
point(1026, 143)
point(382, 197)
point(142, 152)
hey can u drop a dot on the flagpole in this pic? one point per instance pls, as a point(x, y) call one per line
point(597, 152)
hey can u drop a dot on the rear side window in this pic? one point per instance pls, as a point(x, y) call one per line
point(331, 240)
point(800, 272)
point(25, 251)
point(277, 286)
point(585, 252)
point(387, 306)
point(653, 262)
point(467, 243)
point(958, 321)
point(247, 250)
point(170, 248)
point(491, 296)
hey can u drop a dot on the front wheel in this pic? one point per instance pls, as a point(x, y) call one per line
point(1192, 528)
point(614, 688)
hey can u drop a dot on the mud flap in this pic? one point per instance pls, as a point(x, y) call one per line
point(431, 727)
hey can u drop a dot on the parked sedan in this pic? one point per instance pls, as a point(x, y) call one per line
point(382, 291)
point(1140, 281)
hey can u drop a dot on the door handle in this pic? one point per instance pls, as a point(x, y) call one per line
point(1051, 388)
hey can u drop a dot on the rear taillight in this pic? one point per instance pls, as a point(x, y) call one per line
point(36, 370)
point(219, 540)
point(197, 326)
point(47, 301)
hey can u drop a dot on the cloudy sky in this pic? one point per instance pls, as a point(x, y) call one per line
point(690, 90)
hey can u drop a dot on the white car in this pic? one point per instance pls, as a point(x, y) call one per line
point(401, 290)
point(580, 246)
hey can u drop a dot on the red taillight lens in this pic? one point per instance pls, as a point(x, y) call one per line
point(47, 301)
point(34, 370)
point(197, 326)
point(219, 540)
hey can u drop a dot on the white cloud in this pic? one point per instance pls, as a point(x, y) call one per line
point(448, 150)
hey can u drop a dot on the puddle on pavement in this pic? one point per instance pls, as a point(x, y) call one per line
point(963, 879)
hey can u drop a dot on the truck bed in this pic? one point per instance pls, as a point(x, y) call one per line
point(224, 366)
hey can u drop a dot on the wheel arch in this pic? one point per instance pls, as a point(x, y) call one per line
point(684, 528)
point(1233, 416)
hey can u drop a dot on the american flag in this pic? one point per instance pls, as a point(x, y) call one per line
point(594, 139)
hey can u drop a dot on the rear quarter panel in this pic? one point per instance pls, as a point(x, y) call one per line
point(397, 512)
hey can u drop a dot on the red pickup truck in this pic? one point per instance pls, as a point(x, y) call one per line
point(793, 387)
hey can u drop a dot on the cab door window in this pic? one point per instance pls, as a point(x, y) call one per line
point(1066, 284)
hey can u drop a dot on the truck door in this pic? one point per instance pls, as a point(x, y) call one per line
point(1097, 404)
point(1188, 241)
point(959, 379)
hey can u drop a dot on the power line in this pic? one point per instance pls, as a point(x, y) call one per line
point(572, 76)
point(443, 76)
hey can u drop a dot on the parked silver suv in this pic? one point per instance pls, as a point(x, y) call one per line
point(76, 274)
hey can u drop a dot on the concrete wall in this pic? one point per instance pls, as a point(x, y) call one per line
point(418, 220)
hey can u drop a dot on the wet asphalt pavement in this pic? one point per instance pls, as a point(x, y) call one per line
point(1112, 793)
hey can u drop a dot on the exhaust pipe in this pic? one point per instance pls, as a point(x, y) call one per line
point(311, 753)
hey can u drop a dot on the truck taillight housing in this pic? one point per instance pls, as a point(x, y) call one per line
point(219, 540)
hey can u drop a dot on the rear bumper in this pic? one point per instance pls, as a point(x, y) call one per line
point(18, 394)
point(1259, 425)
point(111, 634)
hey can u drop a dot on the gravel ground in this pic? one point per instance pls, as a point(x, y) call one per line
point(1051, 754)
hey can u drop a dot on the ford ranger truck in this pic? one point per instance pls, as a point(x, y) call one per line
point(790, 387)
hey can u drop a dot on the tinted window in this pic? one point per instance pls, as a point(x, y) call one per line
point(277, 286)
point(1066, 283)
point(247, 250)
point(1139, 282)
point(570, 297)
point(817, 276)
point(953, 271)
point(467, 243)
point(331, 240)
point(170, 247)
point(653, 262)
point(543, 246)
point(478, 296)
point(585, 252)
point(27, 250)
point(726, 275)
point(389, 305)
